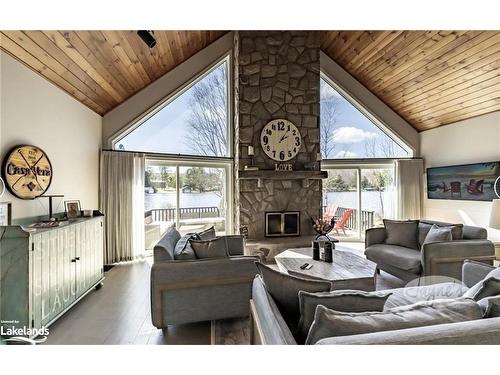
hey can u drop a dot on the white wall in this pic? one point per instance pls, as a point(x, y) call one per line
point(33, 111)
point(469, 141)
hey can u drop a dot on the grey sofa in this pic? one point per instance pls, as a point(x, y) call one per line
point(269, 327)
point(438, 258)
point(186, 291)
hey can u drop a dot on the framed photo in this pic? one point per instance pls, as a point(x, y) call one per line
point(5, 213)
point(72, 209)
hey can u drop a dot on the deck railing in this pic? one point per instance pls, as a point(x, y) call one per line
point(352, 222)
point(168, 214)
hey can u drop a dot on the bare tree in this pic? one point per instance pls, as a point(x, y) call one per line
point(380, 179)
point(381, 146)
point(208, 114)
point(329, 111)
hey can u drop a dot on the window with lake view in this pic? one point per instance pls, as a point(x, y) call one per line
point(357, 196)
point(185, 190)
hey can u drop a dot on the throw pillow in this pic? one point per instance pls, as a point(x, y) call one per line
point(488, 287)
point(183, 249)
point(215, 248)
point(490, 306)
point(285, 291)
point(425, 227)
point(438, 234)
point(402, 233)
point(330, 323)
point(208, 234)
point(338, 300)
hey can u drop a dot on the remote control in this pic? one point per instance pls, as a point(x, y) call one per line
point(304, 266)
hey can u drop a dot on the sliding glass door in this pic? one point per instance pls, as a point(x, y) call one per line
point(341, 202)
point(358, 197)
point(191, 195)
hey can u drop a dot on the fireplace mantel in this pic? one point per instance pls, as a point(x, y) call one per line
point(282, 175)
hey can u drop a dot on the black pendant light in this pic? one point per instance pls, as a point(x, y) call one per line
point(148, 37)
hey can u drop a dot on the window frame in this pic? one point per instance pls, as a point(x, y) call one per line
point(359, 167)
point(370, 116)
point(177, 162)
point(157, 107)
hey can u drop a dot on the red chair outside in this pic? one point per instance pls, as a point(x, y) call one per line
point(340, 224)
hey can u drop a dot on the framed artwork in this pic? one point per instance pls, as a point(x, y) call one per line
point(475, 182)
point(5, 213)
point(72, 209)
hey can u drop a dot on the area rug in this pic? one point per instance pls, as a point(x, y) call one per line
point(231, 331)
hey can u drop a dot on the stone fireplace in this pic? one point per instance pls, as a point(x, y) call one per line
point(277, 76)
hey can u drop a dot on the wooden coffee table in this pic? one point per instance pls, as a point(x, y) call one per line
point(348, 270)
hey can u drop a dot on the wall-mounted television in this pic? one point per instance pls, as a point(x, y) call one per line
point(475, 182)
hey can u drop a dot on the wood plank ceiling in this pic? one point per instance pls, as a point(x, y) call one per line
point(102, 68)
point(431, 78)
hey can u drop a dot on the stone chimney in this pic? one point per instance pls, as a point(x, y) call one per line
point(277, 75)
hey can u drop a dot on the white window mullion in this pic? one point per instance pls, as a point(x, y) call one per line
point(177, 197)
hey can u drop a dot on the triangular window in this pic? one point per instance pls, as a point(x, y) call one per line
point(194, 122)
point(348, 133)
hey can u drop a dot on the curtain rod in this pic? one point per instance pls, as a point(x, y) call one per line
point(173, 156)
point(213, 158)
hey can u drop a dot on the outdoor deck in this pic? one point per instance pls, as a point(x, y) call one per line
point(197, 219)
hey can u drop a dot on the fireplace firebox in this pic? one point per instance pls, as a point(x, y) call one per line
point(282, 223)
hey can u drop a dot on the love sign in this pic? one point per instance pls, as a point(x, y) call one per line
point(27, 172)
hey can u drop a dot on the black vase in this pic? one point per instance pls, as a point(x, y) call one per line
point(328, 252)
point(315, 245)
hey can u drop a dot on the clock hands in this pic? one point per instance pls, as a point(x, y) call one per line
point(285, 136)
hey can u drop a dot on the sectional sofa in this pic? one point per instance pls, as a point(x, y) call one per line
point(269, 327)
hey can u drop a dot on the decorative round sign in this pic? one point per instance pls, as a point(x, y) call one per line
point(27, 172)
point(280, 140)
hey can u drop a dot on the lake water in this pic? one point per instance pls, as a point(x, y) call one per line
point(370, 200)
point(167, 200)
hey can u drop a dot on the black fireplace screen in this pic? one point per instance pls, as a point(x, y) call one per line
point(281, 224)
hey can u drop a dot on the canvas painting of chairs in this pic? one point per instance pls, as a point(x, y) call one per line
point(477, 182)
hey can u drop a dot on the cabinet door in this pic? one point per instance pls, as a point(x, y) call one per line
point(36, 280)
point(45, 277)
point(79, 254)
point(55, 272)
point(68, 263)
point(99, 249)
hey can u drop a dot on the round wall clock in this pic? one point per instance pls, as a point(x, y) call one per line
point(280, 140)
point(27, 172)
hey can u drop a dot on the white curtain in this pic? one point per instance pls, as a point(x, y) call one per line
point(409, 185)
point(122, 202)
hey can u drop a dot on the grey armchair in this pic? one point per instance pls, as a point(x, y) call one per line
point(186, 291)
point(439, 258)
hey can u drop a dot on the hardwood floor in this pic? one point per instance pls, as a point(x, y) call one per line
point(119, 313)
